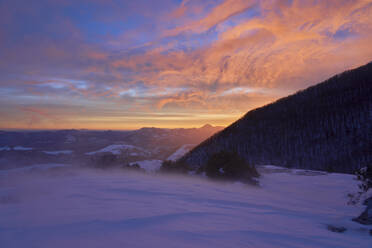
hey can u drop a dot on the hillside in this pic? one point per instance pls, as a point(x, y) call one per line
point(24, 148)
point(327, 127)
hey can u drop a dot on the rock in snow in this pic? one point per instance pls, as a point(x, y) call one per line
point(340, 229)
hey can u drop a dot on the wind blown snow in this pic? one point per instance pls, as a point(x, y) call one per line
point(123, 209)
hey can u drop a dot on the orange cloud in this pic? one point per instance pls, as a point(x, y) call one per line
point(288, 45)
point(228, 58)
point(219, 14)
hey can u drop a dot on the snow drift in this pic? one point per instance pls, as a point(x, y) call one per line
point(121, 209)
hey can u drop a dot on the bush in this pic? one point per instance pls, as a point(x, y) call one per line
point(104, 161)
point(133, 167)
point(169, 166)
point(230, 166)
point(364, 175)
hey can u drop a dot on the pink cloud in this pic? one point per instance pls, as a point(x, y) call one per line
point(188, 59)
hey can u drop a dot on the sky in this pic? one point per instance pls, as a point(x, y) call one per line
point(110, 64)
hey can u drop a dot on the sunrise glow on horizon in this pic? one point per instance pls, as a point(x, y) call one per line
point(106, 64)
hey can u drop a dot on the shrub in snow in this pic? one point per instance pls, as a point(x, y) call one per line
point(133, 167)
point(365, 176)
point(104, 161)
point(229, 165)
point(169, 166)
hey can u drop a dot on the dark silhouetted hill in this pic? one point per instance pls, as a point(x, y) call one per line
point(326, 127)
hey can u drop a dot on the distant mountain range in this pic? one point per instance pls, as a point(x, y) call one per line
point(23, 148)
point(326, 127)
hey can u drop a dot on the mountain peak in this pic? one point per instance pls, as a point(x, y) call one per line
point(207, 126)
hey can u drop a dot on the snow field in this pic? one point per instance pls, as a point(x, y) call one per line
point(121, 209)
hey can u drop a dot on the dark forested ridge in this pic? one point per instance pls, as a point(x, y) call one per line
point(327, 127)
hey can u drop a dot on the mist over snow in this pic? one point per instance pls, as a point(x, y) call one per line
point(94, 208)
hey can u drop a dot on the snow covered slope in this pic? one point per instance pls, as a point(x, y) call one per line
point(118, 149)
point(180, 152)
point(149, 165)
point(120, 209)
